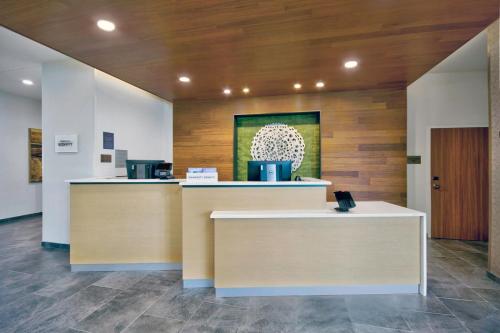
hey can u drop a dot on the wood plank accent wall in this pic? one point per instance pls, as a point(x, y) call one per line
point(363, 137)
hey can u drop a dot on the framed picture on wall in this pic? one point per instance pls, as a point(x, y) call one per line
point(278, 137)
point(35, 155)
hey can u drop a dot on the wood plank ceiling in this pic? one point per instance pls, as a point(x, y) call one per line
point(265, 45)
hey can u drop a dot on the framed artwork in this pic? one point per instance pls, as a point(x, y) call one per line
point(35, 155)
point(278, 137)
point(108, 140)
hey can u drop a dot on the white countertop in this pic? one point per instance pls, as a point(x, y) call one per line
point(362, 209)
point(183, 182)
point(121, 180)
point(304, 182)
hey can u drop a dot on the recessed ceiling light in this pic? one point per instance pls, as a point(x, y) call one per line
point(351, 64)
point(320, 84)
point(27, 82)
point(106, 25)
point(297, 86)
point(184, 79)
point(246, 90)
point(227, 91)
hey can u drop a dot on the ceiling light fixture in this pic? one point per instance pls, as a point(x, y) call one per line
point(227, 91)
point(27, 82)
point(184, 79)
point(106, 25)
point(320, 84)
point(351, 64)
point(297, 86)
point(246, 90)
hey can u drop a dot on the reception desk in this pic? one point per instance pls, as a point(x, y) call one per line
point(377, 248)
point(125, 224)
point(199, 200)
point(247, 238)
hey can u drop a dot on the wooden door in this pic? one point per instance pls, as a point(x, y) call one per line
point(459, 183)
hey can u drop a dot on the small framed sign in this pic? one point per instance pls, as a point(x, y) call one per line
point(105, 158)
point(414, 160)
point(66, 143)
point(120, 158)
point(108, 140)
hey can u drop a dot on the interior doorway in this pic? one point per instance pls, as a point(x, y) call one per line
point(459, 183)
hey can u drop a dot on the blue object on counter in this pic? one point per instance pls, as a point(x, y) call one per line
point(259, 171)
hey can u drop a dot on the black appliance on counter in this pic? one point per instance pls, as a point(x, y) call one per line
point(164, 171)
point(143, 169)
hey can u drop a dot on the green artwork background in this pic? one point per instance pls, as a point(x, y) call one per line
point(307, 124)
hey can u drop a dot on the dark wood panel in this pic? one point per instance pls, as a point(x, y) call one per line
point(382, 147)
point(267, 45)
point(459, 157)
point(369, 160)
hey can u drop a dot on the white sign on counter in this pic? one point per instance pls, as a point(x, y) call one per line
point(202, 177)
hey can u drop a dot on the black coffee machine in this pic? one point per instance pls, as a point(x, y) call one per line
point(164, 171)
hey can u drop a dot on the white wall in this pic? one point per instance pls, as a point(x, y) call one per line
point(440, 100)
point(67, 108)
point(141, 123)
point(77, 99)
point(17, 195)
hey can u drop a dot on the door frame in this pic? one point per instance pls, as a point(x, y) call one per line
point(427, 166)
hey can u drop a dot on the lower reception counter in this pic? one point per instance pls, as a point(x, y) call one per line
point(377, 248)
point(199, 200)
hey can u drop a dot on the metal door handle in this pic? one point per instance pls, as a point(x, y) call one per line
point(436, 186)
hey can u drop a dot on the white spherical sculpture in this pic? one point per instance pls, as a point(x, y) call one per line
point(278, 142)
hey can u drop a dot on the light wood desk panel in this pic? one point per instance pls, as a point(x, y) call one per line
point(125, 224)
point(199, 202)
point(317, 252)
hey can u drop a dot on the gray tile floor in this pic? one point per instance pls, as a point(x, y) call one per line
point(38, 293)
